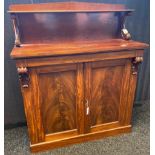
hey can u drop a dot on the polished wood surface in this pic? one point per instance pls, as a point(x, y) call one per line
point(61, 24)
point(80, 58)
point(31, 100)
point(58, 99)
point(55, 49)
point(106, 88)
point(67, 7)
point(63, 27)
point(81, 74)
point(79, 139)
point(63, 90)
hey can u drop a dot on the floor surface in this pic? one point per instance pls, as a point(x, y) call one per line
point(134, 143)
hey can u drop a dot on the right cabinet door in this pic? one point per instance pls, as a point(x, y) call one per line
point(107, 103)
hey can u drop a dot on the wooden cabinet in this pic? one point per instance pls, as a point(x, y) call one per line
point(81, 98)
point(77, 84)
point(70, 103)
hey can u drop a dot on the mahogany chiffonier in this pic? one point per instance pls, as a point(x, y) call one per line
point(77, 69)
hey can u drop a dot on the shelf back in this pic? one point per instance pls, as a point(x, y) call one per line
point(66, 25)
point(48, 27)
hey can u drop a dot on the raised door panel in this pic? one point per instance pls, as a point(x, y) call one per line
point(106, 86)
point(58, 101)
point(106, 92)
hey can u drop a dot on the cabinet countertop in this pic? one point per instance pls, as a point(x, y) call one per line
point(74, 47)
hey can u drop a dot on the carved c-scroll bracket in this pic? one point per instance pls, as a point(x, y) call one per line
point(16, 30)
point(23, 76)
point(135, 62)
point(124, 32)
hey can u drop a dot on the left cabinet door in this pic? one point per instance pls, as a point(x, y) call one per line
point(54, 102)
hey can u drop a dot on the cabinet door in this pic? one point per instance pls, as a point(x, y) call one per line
point(106, 94)
point(57, 102)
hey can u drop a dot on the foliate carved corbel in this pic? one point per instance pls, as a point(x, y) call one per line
point(135, 62)
point(23, 76)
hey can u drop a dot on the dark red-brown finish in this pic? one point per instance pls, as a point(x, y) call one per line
point(58, 90)
point(67, 7)
point(63, 27)
point(62, 22)
point(77, 76)
point(74, 48)
point(106, 86)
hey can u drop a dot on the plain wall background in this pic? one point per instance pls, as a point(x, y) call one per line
point(138, 25)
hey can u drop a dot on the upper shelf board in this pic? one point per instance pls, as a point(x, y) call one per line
point(68, 7)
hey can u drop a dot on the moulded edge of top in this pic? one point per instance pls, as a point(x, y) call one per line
point(68, 7)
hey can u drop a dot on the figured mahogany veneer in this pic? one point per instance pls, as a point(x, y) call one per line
point(61, 107)
point(77, 74)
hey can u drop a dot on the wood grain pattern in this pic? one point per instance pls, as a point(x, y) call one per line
point(105, 126)
point(105, 79)
point(46, 61)
point(80, 98)
point(32, 110)
point(106, 86)
point(84, 47)
point(88, 94)
point(124, 92)
point(36, 106)
point(58, 100)
point(81, 86)
point(61, 135)
point(131, 95)
point(80, 138)
point(27, 98)
point(67, 7)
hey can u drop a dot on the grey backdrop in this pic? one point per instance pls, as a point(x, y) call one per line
point(137, 24)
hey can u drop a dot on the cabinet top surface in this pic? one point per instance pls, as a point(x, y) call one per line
point(67, 7)
point(72, 48)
